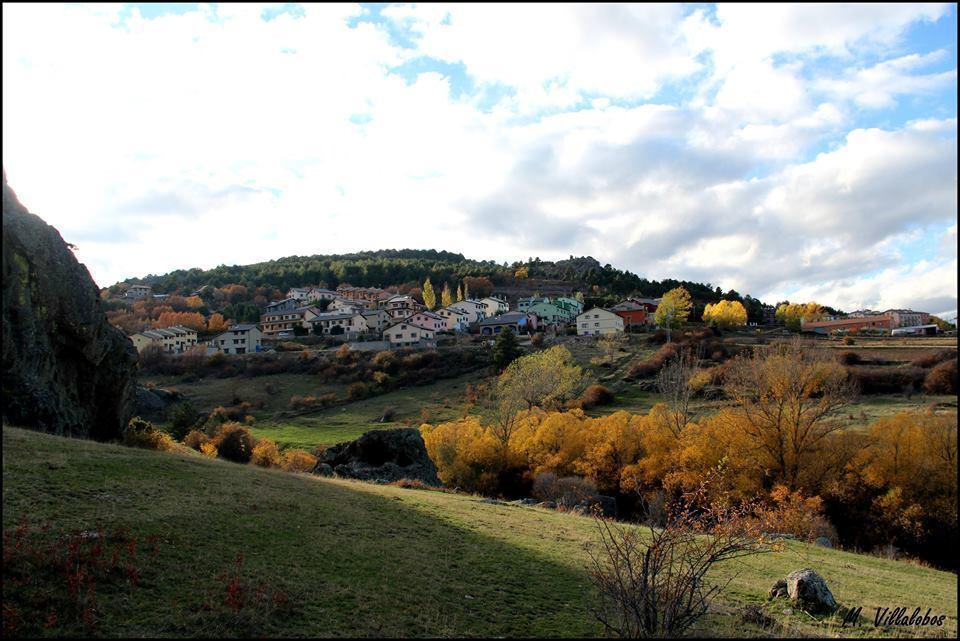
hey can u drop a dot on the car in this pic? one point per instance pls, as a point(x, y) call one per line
point(284, 334)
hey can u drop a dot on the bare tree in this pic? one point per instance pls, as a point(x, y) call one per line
point(788, 401)
point(658, 587)
point(673, 381)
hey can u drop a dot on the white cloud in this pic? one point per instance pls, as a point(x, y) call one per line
point(878, 86)
point(217, 137)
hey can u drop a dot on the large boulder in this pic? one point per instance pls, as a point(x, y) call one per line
point(807, 590)
point(66, 370)
point(383, 456)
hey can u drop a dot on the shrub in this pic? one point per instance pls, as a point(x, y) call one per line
point(358, 391)
point(657, 586)
point(929, 360)
point(265, 453)
point(849, 340)
point(195, 439)
point(596, 395)
point(209, 450)
point(388, 413)
point(537, 339)
point(312, 402)
point(343, 352)
point(942, 379)
point(141, 433)
point(183, 417)
point(234, 442)
point(385, 361)
point(51, 579)
point(298, 461)
point(887, 380)
point(565, 492)
point(849, 358)
point(792, 513)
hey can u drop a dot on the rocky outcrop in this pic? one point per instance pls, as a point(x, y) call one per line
point(66, 370)
point(383, 456)
point(807, 590)
point(154, 403)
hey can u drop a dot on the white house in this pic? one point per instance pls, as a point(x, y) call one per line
point(345, 305)
point(495, 306)
point(377, 320)
point(597, 322)
point(476, 310)
point(239, 339)
point(137, 291)
point(400, 306)
point(348, 322)
point(455, 320)
point(171, 339)
point(319, 293)
point(428, 320)
point(404, 334)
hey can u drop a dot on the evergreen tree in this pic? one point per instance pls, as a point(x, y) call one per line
point(429, 298)
point(505, 350)
point(446, 298)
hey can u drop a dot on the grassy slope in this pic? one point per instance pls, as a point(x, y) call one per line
point(443, 400)
point(371, 560)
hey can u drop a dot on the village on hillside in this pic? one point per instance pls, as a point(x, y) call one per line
point(371, 318)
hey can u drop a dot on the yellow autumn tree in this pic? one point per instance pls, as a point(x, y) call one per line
point(446, 298)
point(673, 310)
point(725, 314)
point(794, 314)
point(216, 323)
point(522, 273)
point(429, 297)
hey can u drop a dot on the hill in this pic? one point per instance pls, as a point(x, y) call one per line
point(392, 267)
point(360, 560)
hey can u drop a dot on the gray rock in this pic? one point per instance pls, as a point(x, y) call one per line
point(527, 502)
point(809, 592)
point(549, 505)
point(605, 506)
point(382, 456)
point(778, 590)
point(823, 541)
point(153, 404)
point(66, 370)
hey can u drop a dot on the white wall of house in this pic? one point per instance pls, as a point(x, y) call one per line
point(238, 340)
point(476, 310)
point(455, 320)
point(598, 322)
point(407, 334)
point(495, 306)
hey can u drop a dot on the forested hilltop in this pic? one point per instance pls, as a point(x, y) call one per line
point(396, 267)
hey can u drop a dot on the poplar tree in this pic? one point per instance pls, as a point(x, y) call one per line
point(429, 298)
point(446, 299)
point(459, 293)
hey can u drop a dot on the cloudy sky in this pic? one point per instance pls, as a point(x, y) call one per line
point(802, 152)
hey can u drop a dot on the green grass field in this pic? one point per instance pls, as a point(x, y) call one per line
point(439, 401)
point(367, 560)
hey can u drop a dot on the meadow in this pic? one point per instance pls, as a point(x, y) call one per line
point(356, 559)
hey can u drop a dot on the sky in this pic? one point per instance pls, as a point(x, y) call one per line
point(801, 152)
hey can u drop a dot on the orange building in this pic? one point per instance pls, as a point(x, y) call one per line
point(632, 316)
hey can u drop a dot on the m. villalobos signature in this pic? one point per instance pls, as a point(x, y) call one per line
point(898, 616)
